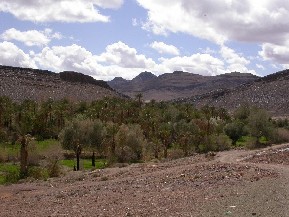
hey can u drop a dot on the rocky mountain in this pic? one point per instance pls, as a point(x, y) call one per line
point(24, 83)
point(270, 92)
point(177, 84)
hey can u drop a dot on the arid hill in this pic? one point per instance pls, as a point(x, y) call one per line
point(270, 93)
point(177, 84)
point(24, 83)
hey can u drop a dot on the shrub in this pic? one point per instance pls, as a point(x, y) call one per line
point(38, 172)
point(3, 136)
point(129, 143)
point(281, 135)
point(3, 155)
point(33, 154)
point(10, 173)
point(221, 142)
point(54, 168)
point(53, 155)
point(215, 143)
point(175, 153)
point(12, 176)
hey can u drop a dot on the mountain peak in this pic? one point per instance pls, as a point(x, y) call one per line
point(145, 76)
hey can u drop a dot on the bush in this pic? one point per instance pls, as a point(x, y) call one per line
point(38, 173)
point(3, 136)
point(12, 176)
point(10, 173)
point(221, 142)
point(215, 143)
point(251, 143)
point(33, 154)
point(175, 153)
point(129, 144)
point(281, 136)
point(3, 155)
point(53, 155)
point(54, 168)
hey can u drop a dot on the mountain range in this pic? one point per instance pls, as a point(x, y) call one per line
point(270, 92)
point(178, 84)
point(228, 90)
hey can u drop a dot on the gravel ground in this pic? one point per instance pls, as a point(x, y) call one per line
point(233, 183)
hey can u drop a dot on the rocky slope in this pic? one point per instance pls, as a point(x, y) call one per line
point(193, 186)
point(270, 93)
point(24, 83)
point(177, 84)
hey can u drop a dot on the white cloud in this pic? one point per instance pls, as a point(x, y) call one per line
point(11, 55)
point(60, 58)
point(121, 54)
point(235, 61)
point(163, 48)
point(203, 64)
point(31, 37)
point(277, 53)
point(134, 22)
point(259, 66)
point(61, 10)
point(119, 59)
point(220, 21)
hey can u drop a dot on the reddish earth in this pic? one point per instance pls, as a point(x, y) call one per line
point(233, 183)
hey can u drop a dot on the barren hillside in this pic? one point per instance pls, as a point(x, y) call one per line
point(270, 93)
point(24, 83)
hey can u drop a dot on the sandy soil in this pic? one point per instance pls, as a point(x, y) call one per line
point(233, 183)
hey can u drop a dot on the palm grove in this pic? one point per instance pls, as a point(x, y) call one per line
point(122, 130)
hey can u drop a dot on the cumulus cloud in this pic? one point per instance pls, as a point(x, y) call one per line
point(60, 58)
point(11, 55)
point(262, 22)
point(235, 61)
point(277, 53)
point(31, 37)
point(122, 55)
point(119, 59)
point(163, 48)
point(203, 64)
point(220, 21)
point(61, 10)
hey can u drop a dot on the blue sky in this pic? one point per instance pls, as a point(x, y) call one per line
point(110, 38)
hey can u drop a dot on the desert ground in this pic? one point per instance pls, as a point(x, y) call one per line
point(232, 183)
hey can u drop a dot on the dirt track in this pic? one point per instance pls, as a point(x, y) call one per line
point(194, 186)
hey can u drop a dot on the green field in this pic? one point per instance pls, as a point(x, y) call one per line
point(85, 163)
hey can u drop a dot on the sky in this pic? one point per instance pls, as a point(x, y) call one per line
point(121, 38)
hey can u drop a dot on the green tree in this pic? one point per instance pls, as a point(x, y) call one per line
point(129, 143)
point(165, 134)
point(76, 136)
point(186, 135)
point(259, 125)
point(235, 130)
point(97, 137)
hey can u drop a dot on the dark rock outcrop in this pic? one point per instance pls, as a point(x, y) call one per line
point(81, 78)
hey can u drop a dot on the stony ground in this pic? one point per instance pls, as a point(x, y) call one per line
point(233, 183)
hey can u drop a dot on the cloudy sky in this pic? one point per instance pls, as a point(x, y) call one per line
point(109, 38)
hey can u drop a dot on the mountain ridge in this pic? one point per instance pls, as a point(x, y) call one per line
point(35, 84)
point(269, 92)
point(179, 84)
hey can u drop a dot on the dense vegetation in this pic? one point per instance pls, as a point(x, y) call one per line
point(124, 131)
